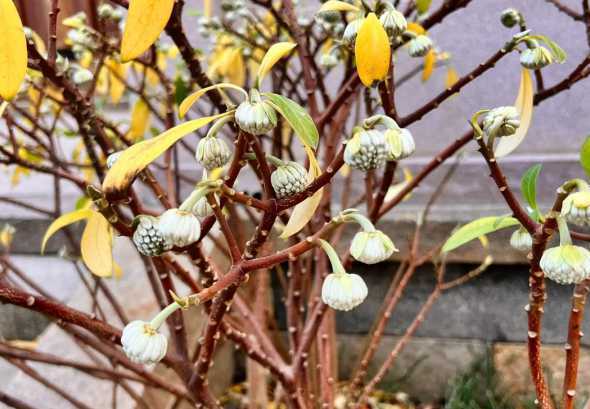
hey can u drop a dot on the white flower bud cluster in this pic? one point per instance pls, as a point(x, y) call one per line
point(566, 264)
point(343, 291)
point(393, 21)
point(536, 58)
point(180, 227)
point(148, 238)
point(576, 208)
point(256, 118)
point(212, 152)
point(521, 240)
point(419, 46)
point(288, 179)
point(366, 150)
point(175, 227)
point(371, 247)
point(501, 121)
point(351, 31)
point(142, 343)
point(202, 208)
point(401, 143)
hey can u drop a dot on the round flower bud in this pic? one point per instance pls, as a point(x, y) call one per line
point(536, 58)
point(328, 60)
point(343, 291)
point(351, 30)
point(393, 22)
point(366, 150)
point(371, 247)
point(576, 208)
point(148, 238)
point(502, 121)
point(256, 118)
point(510, 17)
point(82, 76)
point(179, 227)
point(212, 152)
point(401, 143)
point(566, 264)
point(142, 343)
point(112, 158)
point(105, 11)
point(521, 240)
point(202, 208)
point(419, 46)
point(288, 179)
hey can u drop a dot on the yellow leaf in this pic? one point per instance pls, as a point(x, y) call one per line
point(372, 51)
point(485, 242)
point(524, 105)
point(117, 76)
point(117, 270)
point(145, 21)
point(304, 211)
point(189, 101)
point(6, 235)
point(207, 7)
point(274, 54)
point(140, 119)
point(39, 44)
point(63, 221)
point(452, 77)
point(335, 5)
point(96, 245)
point(429, 63)
point(135, 158)
point(416, 28)
point(13, 50)
point(394, 190)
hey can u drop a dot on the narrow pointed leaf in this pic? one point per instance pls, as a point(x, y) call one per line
point(145, 22)
point(189, 101)
point(140, 118)
point(297, 117)
point(96, 245)
point(335, 5)
point(272, 56)
point(64, 221)
point(585, 155)
point(524, 105)
point(372, 51)
point(528, 186)
point(304, 211)
point(429, 63)
point(13, 50)
point(135, 158)
point(476, 229)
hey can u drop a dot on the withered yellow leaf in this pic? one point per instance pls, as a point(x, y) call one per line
point(117, 76)
point(96, 245)
point(335, 5)
point(207, 7)
point(13, 50)
point(524, 105)
point(274, 54)
point(140, 118)
point(189, 101)
point(429, 63)
point(451, 78)
point(145, 22)
point(416, 28)
point(372, 51)
point(64, 221)
point(135, 158)
point(304, 211)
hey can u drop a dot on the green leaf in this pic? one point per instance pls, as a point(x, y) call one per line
point(181, 90)
point(476, 229)
point(558, 52)
point(423, 5)
point(297, 117)
point(585, 155)
point(528, 185)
